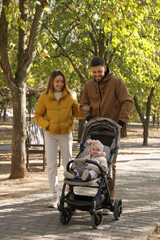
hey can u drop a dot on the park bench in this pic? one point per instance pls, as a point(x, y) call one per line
point(35, 143)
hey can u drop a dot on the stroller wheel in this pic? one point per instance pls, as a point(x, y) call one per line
point(117, 209)
point(65, 215)
point(72, 209)
point(96, 219)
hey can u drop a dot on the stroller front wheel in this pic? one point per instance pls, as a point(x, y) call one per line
point(72, 209)
point(96, 219)
point(117, 209)
point(65, 215)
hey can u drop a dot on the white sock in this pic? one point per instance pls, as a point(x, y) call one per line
point(55, 194)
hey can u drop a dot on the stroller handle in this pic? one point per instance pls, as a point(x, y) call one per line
point(84, 161)
point(79, 160)
point(68, 164)
point(95, 163)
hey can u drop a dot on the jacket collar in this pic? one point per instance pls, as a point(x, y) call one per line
point(108, 75)
point(51, 95)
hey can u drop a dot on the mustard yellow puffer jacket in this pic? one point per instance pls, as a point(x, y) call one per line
point(57, 116)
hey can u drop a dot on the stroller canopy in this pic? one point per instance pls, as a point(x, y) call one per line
point(103, 129)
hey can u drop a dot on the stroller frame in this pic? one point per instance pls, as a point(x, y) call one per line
point(71, 201)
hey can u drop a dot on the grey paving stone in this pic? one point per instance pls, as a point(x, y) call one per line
point(137, 184)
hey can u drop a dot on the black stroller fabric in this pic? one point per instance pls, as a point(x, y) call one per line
point(103, 129)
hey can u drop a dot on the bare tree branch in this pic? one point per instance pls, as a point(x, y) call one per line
point(138, 109)
point(94, 42)
point(149, 104)
point(23, 31)
point(31, 49)
point(93, 28)
point(92, 51)
point(111, 57)
point(72, 27)
point(101, 42)
point(157, 79)
point(3, 46)
point(81, 76)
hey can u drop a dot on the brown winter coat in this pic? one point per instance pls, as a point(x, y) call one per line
point(107, 98)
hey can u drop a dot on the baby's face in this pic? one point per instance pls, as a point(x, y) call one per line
point(95, 151)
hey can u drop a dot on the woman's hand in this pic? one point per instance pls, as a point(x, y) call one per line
point(86, 108)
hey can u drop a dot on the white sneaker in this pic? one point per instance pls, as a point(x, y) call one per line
point(54, 202)
point(86, 176)
point(69, 174)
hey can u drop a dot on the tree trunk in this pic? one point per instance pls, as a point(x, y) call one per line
point(4, 112)
point(154, 119)
point(18, 167)
point(30, 106)
point(144, 121)
point(80, 128)
point(25, 55)
point(157, 121)
point(145, 134)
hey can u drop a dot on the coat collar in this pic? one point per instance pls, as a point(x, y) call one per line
point(51, 95)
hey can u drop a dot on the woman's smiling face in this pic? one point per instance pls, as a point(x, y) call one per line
point(58, 84)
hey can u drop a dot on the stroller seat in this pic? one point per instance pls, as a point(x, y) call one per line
point(79, 182)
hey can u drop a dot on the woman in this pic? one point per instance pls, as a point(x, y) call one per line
point(55, 113)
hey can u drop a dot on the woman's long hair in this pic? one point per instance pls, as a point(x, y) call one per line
point(54, 74)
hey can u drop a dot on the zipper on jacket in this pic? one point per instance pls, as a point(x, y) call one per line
point(59, 115)
point(100, 99)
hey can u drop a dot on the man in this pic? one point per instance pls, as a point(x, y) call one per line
point(107, 96)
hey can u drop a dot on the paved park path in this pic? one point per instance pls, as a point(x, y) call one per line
point(138, 181)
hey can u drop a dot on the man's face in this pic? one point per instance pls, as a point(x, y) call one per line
point(98, 72)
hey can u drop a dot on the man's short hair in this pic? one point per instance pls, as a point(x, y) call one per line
point(96, 61)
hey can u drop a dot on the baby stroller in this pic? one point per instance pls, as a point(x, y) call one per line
point(107, 131)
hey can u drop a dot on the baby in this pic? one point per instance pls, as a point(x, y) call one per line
point(91, 170)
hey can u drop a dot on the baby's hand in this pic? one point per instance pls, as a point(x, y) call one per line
point(103, 168)
point(73, 166)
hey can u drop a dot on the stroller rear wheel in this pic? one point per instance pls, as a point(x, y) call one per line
point(117, 209)
point(65, 215)
point(96, 219)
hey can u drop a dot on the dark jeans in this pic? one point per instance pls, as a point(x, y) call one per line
point(111, 183)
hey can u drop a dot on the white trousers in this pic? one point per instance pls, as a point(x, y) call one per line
point(93, 173)
point(51, 144)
